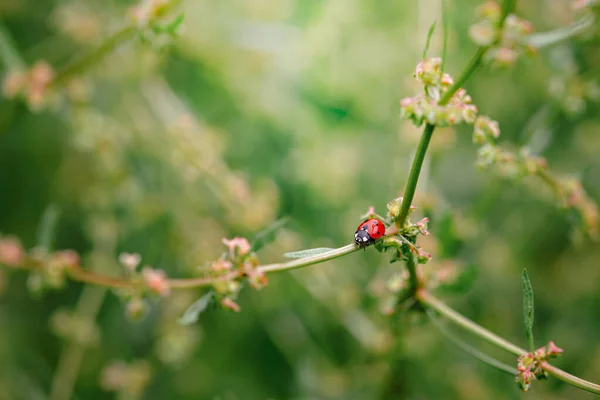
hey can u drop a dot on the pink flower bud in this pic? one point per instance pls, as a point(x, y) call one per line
point(237, 243)
point(67, 258)
point(230, 304)
point(130, 261)
point(554, 350)
point(156, 281)
point(11, 251)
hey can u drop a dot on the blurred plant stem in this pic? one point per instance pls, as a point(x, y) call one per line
point(432, 302)
point(85, 61)
point(71, 357)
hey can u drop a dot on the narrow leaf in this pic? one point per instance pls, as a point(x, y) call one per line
point(174, 25)
point(191, 315)
point(47, 228)
point(429, 35)
point(528, 307)
point(445, 34)
point(544, 39)
point(308, 252)
point(268, 234)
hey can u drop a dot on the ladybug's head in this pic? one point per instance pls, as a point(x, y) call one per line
point(362, 238)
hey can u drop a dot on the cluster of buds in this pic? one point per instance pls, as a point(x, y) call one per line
point(128, 380)
point(239, 261)
point(49, 269)
point(530, 365)
point(425, 107)
point(508, 164)
point(152, 281)
point(405, 242)
point(572, 93)
point(149, 16)
point(147, 10)
point(574, 197)
point(33, 84)
point(485, 130)
point(508, 38)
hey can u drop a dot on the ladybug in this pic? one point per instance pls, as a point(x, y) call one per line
point(369, 231)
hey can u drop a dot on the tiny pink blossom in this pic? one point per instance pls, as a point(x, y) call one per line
point(528, 376)
point(13, 84)
point(221, 265)
point(239, 243)
point(156, 281)
point(553, 349)
point(230, 304)
point(11, 251)
point(130, 260)
point(67, 258)
point(407, 101)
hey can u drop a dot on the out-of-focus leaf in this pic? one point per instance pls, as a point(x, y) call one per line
point(528, 307)
point(464, 282)
point(191, 315)
point(268, 235)
point(47, 228)
point(544, 39)
point(445, 230)
point(429, 35)
point(308, 252)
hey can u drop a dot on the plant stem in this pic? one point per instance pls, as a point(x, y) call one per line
point(434, 303)
point(83, 62)
point(474, 64)
point(413, 175)
point(412, 273)
point(428, 299)
point(571, 379)
point(467, 348)
point(87, 276)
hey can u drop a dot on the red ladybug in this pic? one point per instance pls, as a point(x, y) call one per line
point(369, 231)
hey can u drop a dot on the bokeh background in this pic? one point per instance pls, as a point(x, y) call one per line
point(268, 109)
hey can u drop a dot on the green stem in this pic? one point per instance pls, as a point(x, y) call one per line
point(83, 62)
point(429, 300)
point(412, 271)
point(413, 175)
point(467, 348)
point(474, 64)
point(571, 379)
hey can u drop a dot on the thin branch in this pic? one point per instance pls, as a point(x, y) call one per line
point(467, 348)
point(429, 300)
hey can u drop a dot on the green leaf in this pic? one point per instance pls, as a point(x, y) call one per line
point(528, 307)
point(47, 228)
point(308, 252)
point(429, 35)
point(544, 39)
point(191, 315)
point(268, 234)
point(174, 25)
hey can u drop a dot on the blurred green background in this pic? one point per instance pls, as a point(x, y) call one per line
point(263, 109)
